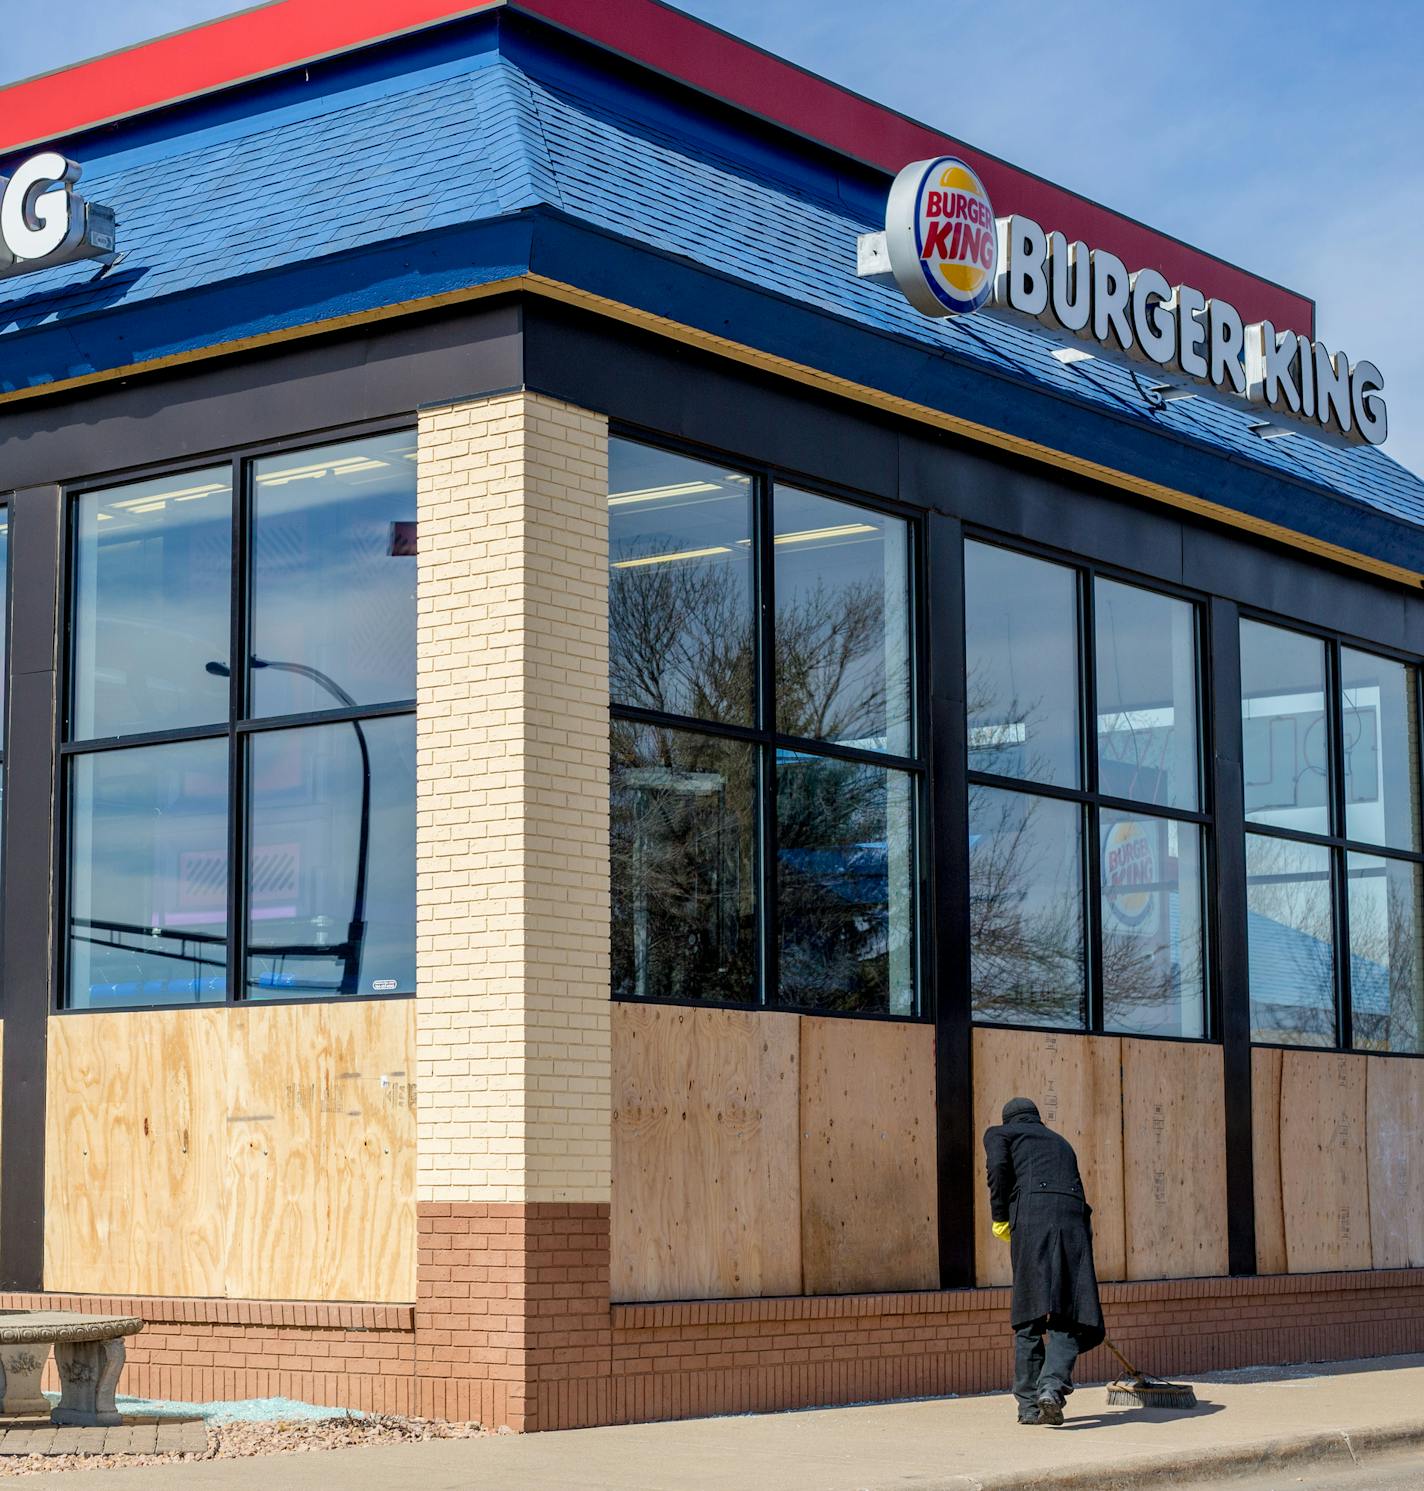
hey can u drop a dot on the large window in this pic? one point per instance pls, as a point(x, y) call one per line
point(243, 831)
point(766, 764)
point(1331, 740)
point(1086, 843)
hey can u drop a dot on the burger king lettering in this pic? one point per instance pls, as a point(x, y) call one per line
point(949, 256)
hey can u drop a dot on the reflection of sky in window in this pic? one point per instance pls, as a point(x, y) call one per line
point(1146, 695)
point(1284, 736)
point(843, 623)
point(148, 875)
point(1026, 908)
point(334, 574)
point(153, 565)
point(304, 853)
point(1380, 722)
point(1290, 941)
point(1021, 619)
point(1386, 970)
point(680, 604)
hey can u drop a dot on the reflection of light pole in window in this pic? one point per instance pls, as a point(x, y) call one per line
point(356, 932)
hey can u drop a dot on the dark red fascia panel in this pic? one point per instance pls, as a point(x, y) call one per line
point(265, 40)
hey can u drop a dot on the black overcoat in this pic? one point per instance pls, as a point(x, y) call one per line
point(1034, 1185)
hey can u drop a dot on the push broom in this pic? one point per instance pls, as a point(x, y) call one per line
point(1140, 1391)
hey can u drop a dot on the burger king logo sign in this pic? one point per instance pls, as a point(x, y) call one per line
point(1130, 883)
point(941, 238)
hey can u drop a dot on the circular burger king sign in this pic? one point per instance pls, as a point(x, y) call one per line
point(1130, 882)
point(941, 238)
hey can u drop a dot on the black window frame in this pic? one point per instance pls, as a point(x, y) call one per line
point(1092, 802)
point(239, 725)
point(765, 741)
point(5, 597)
point(1336, 842)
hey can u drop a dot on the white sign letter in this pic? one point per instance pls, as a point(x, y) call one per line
point(1023, 267)
point(1152, 319)
point(1110, 292)
point(1367, 396)
point(36, 220)
point(1270, 367)
point(1225, 337)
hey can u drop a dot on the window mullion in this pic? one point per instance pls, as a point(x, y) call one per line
point(1340, 859)
point(237, 745)
point(764, 713)
point(1092, 841)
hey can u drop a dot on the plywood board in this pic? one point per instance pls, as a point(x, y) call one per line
point(869, 1209)
point(319, 1139)
point(706, 1173)
point(254, 1152)
point(1076, 1080)
point(134, 1160)
point(1173, 1160)
point(1324, 1169)
point(1395, 1104)
point(1266, 1160)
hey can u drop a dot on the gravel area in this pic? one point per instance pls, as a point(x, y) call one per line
point(231, 1441)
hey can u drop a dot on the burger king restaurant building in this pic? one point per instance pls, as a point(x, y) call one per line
point(597, 672)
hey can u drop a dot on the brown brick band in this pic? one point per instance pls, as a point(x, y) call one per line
point(343, 1356)
point(514, 1327)
point(675, 1361)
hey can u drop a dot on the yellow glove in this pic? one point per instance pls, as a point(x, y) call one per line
point(1001, 1231)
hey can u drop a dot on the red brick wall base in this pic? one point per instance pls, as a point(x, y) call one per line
point(514, 1327)
point(680, 1361)
point(202, 1350)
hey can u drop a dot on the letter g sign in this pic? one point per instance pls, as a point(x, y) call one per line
point(43, 221)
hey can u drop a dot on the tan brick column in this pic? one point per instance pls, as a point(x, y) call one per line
point(513, 975)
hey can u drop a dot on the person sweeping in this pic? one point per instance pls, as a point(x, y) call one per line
point(1038, 1207)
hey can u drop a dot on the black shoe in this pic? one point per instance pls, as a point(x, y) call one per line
point(1030, 1416)
point(1050, 1409)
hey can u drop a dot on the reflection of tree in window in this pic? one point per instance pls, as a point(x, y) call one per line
point(682, 821)
point(1152, 925)
point(1025, 908)
point(1022, 659)
point(829, 663)
point(681, 635)
point(1004, 733)
point(845, 885)
point(1291, 941)
point(1386, 970)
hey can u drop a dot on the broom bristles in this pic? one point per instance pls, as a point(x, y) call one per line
point(1151, 1395)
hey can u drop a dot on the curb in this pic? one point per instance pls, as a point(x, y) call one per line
point(1341, 1447)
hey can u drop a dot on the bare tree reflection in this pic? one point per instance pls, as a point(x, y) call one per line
point(1026, 932)
point(1292, 942)
point(682, 636)
point(830, 673)
point(1387, 997)
point(684, 803)
point(684, 905)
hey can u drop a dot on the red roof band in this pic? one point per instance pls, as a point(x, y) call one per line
point(286, 33)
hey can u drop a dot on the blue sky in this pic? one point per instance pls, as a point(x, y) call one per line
point(1281, 134)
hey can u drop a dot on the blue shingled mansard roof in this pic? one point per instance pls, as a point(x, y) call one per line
point(493, 151)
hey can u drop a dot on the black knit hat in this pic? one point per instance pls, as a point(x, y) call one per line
point(1021, 1108)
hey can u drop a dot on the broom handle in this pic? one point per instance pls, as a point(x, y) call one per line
point(1121, 1357)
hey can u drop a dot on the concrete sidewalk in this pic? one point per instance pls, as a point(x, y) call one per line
point(1244, 1420)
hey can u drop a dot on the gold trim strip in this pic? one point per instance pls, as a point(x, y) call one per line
point(557, 290)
